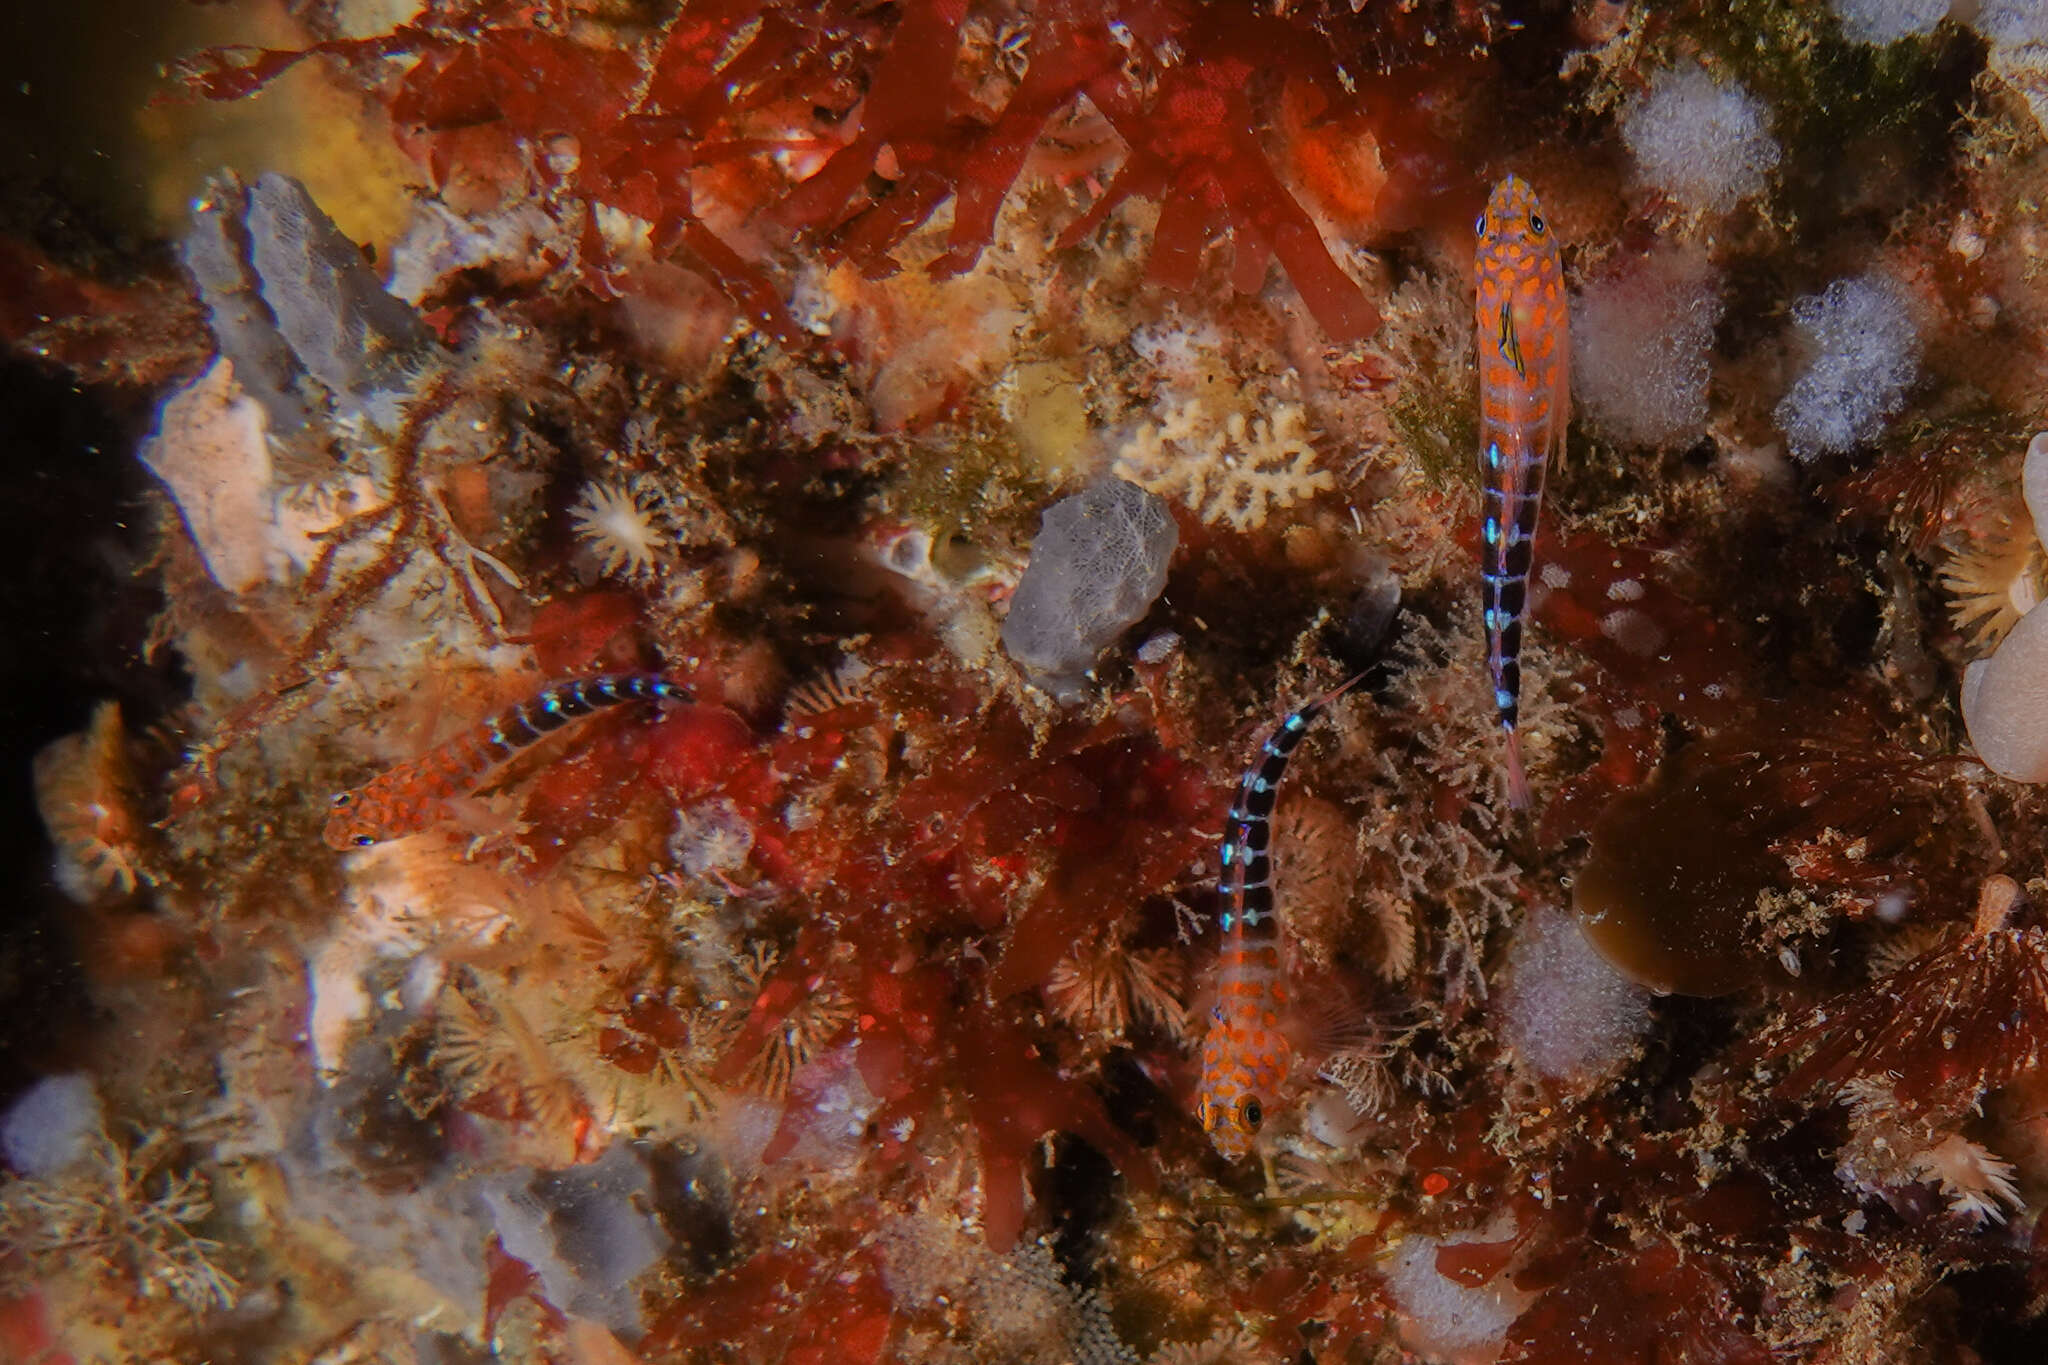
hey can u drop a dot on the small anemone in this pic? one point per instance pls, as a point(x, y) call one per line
point(1977, 1184)
point(1993, 583)
point(620, 522)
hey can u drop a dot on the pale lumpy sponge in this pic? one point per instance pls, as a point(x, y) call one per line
point(1887, 21)
point(1097, 565)
point(1862, 353)
point(51, 1125)
point(1642, 348)
point(1705, 143)
point(1568, 1014)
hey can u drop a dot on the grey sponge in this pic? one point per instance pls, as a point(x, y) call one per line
point(216, 252)
point(288, 294)
point(363, 344)
point(1097, 564)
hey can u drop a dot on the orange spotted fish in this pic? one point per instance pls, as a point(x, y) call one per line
point(1524, 402)
point(405, 800)
point(1246, 1055)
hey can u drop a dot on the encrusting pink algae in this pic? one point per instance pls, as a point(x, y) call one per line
point(640, 621)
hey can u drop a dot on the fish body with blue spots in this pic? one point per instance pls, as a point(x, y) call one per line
point(406, 799)
point(1524, 404)
point(1246, 1053)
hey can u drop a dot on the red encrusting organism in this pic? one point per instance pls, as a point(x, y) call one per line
point(732, 83)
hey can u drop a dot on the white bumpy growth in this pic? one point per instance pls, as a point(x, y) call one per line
point(1642, 342)
point(1704, 143)
point(1863, 352)
point(1887, 21)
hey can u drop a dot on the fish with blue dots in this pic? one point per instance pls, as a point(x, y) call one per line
point(1524, 405)
point(408, 798)
point(1246, 1053)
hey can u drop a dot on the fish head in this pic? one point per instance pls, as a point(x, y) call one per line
point(1241, 1068)
point(351, 823)
point(1513, 218)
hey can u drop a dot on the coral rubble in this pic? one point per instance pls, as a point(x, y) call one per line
point(973, 426)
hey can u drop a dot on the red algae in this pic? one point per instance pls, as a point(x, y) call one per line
point(474, 105)
point(1656, 1304)
point(1966, 1018)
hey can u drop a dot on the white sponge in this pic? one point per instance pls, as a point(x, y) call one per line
point(2005, 702)
point(2010, 23)
point(1887, 21)
point(1443, 1319)
point(1641, 336)
point(51, 1125)
point(1864, 351)
point(2034, 484)
point(1569, 1014)
point(1704, 143)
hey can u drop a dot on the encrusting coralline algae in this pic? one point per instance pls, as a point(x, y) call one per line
point(784, 555)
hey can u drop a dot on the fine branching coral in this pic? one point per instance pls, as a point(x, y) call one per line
point(133, 1213)
point(1108, 985)
point(788, 1016)
point(1229, 467)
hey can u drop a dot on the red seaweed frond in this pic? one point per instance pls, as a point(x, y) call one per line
point(734, 81)
point(1193, 149)
point(1657, 1303)
point(1950, 1025)
point(1847, 809)
point(1929, 481)
point(1188, 124)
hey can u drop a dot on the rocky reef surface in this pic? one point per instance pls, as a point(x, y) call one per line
point(990, 418)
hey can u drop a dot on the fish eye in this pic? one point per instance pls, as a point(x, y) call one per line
point(364, 841)
point(342, 799)
point(1536, 223)
point(1479, 225)
point(1250, 1114)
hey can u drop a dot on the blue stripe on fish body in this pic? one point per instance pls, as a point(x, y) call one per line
point(554, 707)
point(1245, 883)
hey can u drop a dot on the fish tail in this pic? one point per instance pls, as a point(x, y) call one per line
point(1518, 776)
